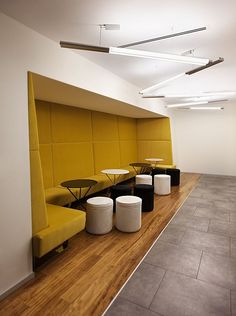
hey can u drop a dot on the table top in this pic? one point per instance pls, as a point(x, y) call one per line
point(78, 183)
point(115, 171)
point(154, 159)
point(140, 164)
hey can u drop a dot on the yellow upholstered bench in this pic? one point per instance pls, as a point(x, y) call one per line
point(63, 223)
point(52, 225)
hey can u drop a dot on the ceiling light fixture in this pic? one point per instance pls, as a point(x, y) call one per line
point(190, 72)
point(179, 105)
point(160, 56)
point(183, 95)
point(110, 26)
point(182, 105)
point(205, 108)
point(161, 83)
point(165, 37)
point(136, 53)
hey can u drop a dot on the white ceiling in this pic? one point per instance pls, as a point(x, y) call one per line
point(78, 21)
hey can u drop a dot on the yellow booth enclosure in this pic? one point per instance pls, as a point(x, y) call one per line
point(68, 143)
point(52, 225)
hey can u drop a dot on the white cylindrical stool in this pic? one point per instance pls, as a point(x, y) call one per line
point(143, 179)
point(99, 214)
point(162, 184)
point(128, 213)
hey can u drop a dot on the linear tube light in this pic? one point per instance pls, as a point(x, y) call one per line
point(152, 88)
point(161, 56)
point(190, 72)
point(199, 95)
point(137, 53)
point(179, 105)
point(205, 108)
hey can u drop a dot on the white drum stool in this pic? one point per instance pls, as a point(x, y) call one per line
point(143, 179)
point(128, 213)
point(99, 214)
point(162, 184)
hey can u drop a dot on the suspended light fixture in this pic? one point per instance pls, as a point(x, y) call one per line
point(179, 105)
point(196, 95)
point(161, 83)
point(160, 56)
point(205, 108)
point(136, 53)
point(187, 104)
point(190, 72)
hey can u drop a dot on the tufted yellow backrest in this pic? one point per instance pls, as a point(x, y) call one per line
point(154, 139)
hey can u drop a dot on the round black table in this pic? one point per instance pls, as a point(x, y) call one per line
point(79, 184)
point(141, 165)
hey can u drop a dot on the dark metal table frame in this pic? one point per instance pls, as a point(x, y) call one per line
point(141, 165)
point(79, 184)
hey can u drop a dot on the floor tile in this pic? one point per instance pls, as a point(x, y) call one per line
point(198, 202)
point(215, 195)
point(196, 193)
point(224, 228)
point(219, 270)
point(233, 247)
point(232, 216)
point(193, 222)
point(186, 210)
point(143, 285)
point(174, 258)
point(233, 303)
point(173, 234)
point(122, 307)
point(208, 242)
point(213, 213)
point(225, 205)
point(179, 295)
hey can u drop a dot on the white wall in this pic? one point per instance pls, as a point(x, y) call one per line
point(24, 50)
point(205, 141)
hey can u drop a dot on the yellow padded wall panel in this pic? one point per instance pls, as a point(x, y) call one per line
point(38, 205)
point(155, 149)
point(153, 129)
point(128, 152)
point(47, 164)
point(70, 124)
point(72, 161)
point(105, 127)
point(44, 121)
point(127, 128)
point(39, 214)
point(33, 127)
point(106, 155)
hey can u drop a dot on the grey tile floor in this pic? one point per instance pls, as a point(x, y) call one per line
point(191, 269)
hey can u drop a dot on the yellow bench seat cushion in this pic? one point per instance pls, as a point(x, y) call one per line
point(63, 223)
point(166, 166)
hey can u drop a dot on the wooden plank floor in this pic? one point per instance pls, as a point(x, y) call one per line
point(85, 278)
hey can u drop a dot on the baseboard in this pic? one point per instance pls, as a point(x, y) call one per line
point(16, 286)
